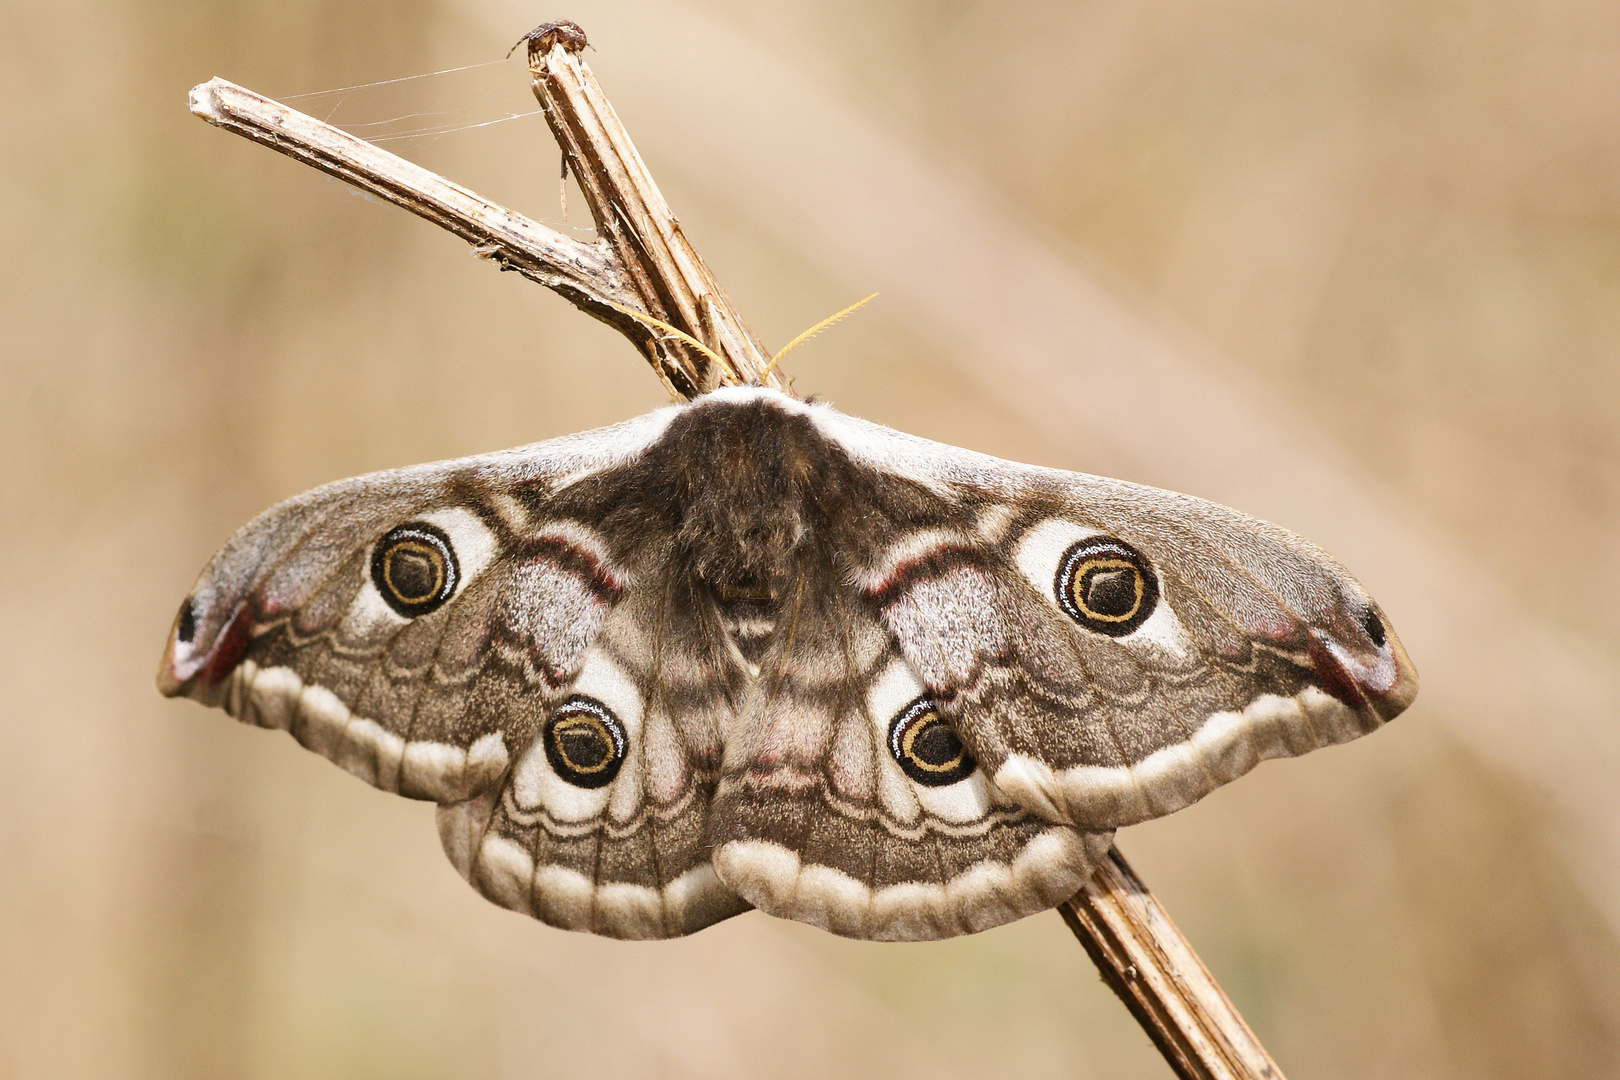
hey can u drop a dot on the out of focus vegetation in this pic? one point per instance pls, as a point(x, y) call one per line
point(1401, 219)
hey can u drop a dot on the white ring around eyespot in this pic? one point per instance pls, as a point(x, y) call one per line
point(536, 787)
point(474, 547)
point(1041, 550)
point(967, 800)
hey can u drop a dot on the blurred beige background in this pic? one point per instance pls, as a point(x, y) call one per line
point(1352, 267)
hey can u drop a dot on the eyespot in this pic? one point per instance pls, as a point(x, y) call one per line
point(185, 627)
point(927, 748)
point(1374, 626)
point(1106, 585)
point(584, 742)
point(415, 569)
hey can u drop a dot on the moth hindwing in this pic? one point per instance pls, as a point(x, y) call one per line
point(752, 652)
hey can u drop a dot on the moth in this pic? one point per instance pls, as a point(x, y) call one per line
point(751, 652)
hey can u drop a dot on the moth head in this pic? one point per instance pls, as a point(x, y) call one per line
point(744, 475)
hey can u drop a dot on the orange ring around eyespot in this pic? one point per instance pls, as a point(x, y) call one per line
point(569, 725)
point(435, 559)
point(908, 746)
point(1091, 565)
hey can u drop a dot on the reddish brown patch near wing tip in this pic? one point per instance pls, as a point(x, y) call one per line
point(229, 647)
point(1333, 678)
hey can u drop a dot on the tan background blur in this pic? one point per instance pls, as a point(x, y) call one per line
point(1364, 261)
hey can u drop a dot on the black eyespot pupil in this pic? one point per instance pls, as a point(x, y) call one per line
point(584, 742)
point(585, 746)
point(1374, 626)
point(926, 748)
point(415, 569)
point(936, 745)
point(413, 573)
point(1113, 590)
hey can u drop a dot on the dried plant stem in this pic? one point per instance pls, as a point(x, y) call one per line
point(646, 273)
point(587, 275)
point(1144, 959)
point(669, 277)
